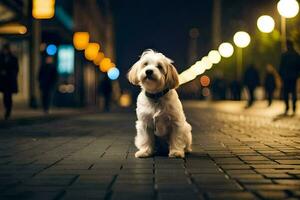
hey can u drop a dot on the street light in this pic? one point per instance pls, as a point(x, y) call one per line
point(43, 9)
point(91, 51)
point(98, 58)
point(265, 24)
point(106, 64)
point(206, 62)
point(81, 40)
point(241, 39)
point(287, 9)
point(214, 56)
point(226, 50)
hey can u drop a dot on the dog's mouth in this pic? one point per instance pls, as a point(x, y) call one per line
point(149, 77)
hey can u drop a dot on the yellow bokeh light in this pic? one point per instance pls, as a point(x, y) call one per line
point(91, 51)
point(43, 9)
point(214, 56)
point(81, 40)
point(98, 58)
point(13, 28)
point(265, 24)
point(125, 100)
point(226, 50)
point(241, 39)
point(105, 64)
point(288, 8)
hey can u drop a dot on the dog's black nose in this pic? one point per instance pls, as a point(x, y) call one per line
point(149, 72)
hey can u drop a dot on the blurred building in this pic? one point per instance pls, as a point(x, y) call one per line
point(31, 40)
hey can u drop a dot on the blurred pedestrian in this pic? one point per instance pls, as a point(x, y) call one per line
point(9, 69)
point(219, 86)
point(105, 89)
point(251, 81)
point(235, 90)
point(270, 83)
point(289, 70)
point(47, 79)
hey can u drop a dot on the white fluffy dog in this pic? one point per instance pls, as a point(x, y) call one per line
point(159, 110)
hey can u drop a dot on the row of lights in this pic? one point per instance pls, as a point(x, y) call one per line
point(81, 42)
point(45, 9)
point(265, 23)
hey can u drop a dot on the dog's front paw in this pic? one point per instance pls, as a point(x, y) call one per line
point(176, 154)
point(143, 154)
point(188, 150)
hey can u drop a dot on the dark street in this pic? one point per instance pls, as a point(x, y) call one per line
point(91, 156)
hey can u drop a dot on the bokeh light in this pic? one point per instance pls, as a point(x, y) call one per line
point(91, 51)
point(226, 50)
point(43, 9)
point(198, 68)
point(98, 58)
point(204, 81)
point(265, 24)
point(113, 73)
point(214, 56)
point(206, 62)
point(288, 8)
point(125, 100)
point(81, 40)
point(51, 49)
point(206, 92)
point(241, 39)
point(105, 64)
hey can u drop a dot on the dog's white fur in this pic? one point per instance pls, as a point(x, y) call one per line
point(165, 117)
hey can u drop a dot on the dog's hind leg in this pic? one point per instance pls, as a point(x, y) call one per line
point(188, 147)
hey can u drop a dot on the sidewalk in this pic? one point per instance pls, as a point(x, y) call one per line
point(91, 156)
point(258, 113)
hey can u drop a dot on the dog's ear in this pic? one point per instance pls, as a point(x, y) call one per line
point(172, 80)
point(132, 74)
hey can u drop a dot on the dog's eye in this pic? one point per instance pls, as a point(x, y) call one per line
point(159, 67)
point(146, 63)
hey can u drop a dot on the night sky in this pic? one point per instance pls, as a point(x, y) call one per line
point(164, 25)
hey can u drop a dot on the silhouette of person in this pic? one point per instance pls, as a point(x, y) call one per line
point(235, 89)
point(289, 71)
point(270, 83)
point(219, 87)
point(106, 90)
point(251, 81)
point(9, 69)
point(47, 79)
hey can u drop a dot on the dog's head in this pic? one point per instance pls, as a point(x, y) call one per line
point(154, 72)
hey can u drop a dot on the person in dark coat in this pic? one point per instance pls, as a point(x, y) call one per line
point(289, 71)
point(106, 90)
point(9, 69)
point(47, 80)
point(251, 81)
point(270, 83)
point(235, 89)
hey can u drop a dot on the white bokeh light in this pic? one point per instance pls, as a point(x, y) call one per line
point(288, 8)
point(226, 50)
point(241, 39)
point(214, 56)
point(265, 24)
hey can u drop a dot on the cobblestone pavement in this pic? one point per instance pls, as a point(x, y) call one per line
point(91, 156)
